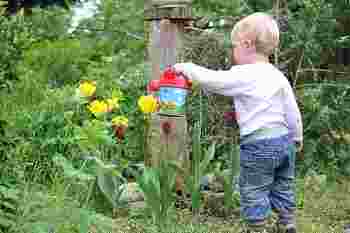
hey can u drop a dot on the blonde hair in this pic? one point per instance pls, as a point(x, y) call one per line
point(264, 29)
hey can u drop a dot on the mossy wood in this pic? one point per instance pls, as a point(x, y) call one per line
point(171, 145)
point(168, 9)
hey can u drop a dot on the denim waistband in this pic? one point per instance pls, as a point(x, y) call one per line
point(264, 133)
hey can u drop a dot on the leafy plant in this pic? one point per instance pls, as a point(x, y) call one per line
point(110, 180)
point(71, 172)
point(43, 134)
point(94, 135)
point(59, 62)
point(107, 177)
point(326, 120)
point(229, 178)
point(14, 35)
point(9, 200)
point(200, 163)
point(41, 211)
point(158, 184)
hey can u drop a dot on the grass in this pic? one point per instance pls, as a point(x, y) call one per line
point(322, 208)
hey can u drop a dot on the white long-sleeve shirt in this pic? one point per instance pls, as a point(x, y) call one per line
point(262, 95)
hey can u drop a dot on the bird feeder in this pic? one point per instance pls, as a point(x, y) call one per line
point(173, 91)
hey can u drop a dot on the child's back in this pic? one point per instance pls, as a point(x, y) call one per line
point(265, 100)
point(262, 96)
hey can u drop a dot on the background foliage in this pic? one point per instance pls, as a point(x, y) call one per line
point(41, 64)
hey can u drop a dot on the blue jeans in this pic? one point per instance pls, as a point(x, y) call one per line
point(267, 175)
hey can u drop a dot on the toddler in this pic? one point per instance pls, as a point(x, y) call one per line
point(269, 121)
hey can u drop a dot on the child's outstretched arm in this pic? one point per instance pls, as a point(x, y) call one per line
point(293, 117)
point(228, 83)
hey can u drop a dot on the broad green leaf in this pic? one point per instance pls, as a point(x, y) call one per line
point(70, 171)
point(110, 185)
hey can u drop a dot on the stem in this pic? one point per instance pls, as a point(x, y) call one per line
point(145, 142)
point(298, 70)
point(200, 110)
point(91, 189)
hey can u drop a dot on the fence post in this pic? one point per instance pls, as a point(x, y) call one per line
point(166, 20)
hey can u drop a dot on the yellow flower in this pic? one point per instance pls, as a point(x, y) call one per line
point(120, 121)
point(87, 88)
point(98, 107)
point(148, 104)
point(113, 103)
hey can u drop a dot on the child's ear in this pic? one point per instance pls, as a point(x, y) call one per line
point(248, 44)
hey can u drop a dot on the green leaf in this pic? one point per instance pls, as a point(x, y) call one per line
point(93, 135)
point(84, 221)
point(2, 7)
point(189, 182)
point(158, 185)
point(196, 198)
point(110, 185)
point(347, 168)
point(209, 156)
point(9, 193)
point(70, 171)
point(7, 219)
point(9, 205)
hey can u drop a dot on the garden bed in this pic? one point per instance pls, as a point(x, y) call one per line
point(319, 210)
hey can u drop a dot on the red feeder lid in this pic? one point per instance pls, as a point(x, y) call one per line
point(153, 85)
point(229, 116)
point(174, 79)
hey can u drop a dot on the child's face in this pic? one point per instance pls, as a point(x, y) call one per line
point(243, 49)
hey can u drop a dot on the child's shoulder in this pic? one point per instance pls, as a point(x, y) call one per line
point(258, 69)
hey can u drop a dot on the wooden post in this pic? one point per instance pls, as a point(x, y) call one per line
point(167, 19)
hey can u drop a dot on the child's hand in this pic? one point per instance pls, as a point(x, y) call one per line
point(186, 70)
point(181, 68)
